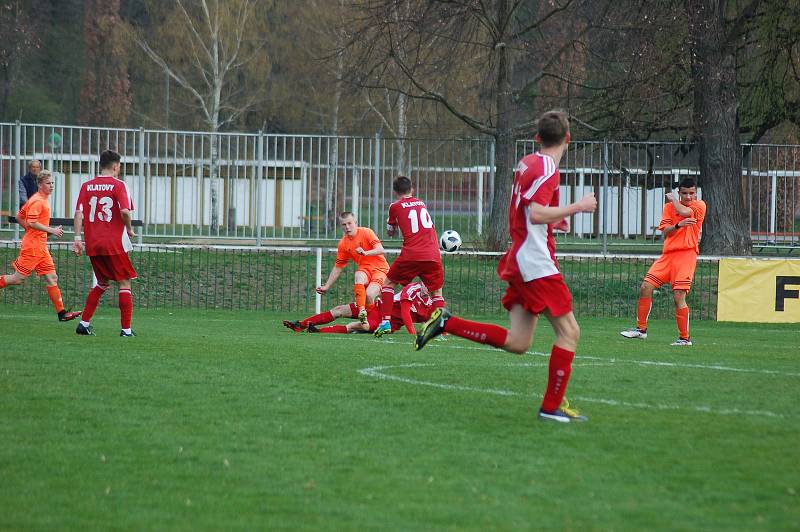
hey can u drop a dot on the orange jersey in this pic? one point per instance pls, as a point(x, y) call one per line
point(367, 239)
point(36, 209)
point(687, 237)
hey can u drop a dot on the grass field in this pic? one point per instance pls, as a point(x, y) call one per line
point(226, 420)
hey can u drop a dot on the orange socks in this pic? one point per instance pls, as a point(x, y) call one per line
point(361, 295)
point(55, 296)
point(682, 318)
point(643, 312)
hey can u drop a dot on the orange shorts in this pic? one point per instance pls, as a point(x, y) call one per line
point(28, 262)
point(374, 276)
point(676, 268)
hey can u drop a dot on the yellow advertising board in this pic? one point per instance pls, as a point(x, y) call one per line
point(759, 290)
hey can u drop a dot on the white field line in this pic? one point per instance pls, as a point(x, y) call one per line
point(378, 372)
point(610, 360)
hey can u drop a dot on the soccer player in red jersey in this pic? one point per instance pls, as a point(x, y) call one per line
point(103, 213)
point(412, 305)
point(34, 216)
point(535, 284)
point(364, 248)
point(419, 256)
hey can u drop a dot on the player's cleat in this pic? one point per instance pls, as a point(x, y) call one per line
point(432, 328)
point(312, 328)
point(635, 333)
point(84, 330)
point(362, 315)
point(682, 342)
point(383, 327)
point(564, 414)
point(296, 326)
point(127, 335)
point(66, 315)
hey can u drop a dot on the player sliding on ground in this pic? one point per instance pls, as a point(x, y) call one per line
point(535, 284)
point(364, 248)
point(34, 256)
point(412, 305)
point(681, 223)
point(419, 255)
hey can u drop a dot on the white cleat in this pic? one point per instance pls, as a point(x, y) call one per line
point(634, 333)
point(682, 342)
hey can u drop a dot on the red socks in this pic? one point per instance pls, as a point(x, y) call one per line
point(682, 318)
point(125, 308)
point(643, 312)
point(317, 319)
point(483, 333)
point(91, 302)
point(387, 301)
point(334, 329)
point(55, 296)
point(2, 281)
point(558, 377)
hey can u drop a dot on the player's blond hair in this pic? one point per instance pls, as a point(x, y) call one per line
point(43, 174)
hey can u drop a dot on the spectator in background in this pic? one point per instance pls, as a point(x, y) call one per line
point(28, 184)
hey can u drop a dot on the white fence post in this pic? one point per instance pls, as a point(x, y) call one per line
point(318, 299)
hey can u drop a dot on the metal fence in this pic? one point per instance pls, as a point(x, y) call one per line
point(256, 187)
point(283, 279)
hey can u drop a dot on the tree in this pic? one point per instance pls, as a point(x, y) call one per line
point(207, 48)
point(19, 38)
point(469, 56)
point(105, 95)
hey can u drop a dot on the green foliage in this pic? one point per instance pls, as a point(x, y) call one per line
point(223, 420)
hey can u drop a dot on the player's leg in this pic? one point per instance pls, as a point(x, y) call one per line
point(99, 269)
point(645, 302)
point(361, 280)
point(54, 293)
point(12, 279)
point(432, 277)
point(327, 316)
point(560, 368)
point(683, 274)
point(681, 317)
point(125, 308)
point(483, 333)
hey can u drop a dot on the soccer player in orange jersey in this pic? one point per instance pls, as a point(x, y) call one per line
point(34, 216)
point(362, 246)
point(681, 223)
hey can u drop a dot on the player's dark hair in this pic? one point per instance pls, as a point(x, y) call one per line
point(345, 214)
point(687, 182)
point(402, 185)
point(107, 158)
point(552, 128)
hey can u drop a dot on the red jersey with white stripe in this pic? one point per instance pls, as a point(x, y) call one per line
point(421, 304)
point(533, 249)
point(101, 199)
point(420, 240)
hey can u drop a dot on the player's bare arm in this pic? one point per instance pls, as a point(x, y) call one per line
point(683, 223)
point(680, 208)
point(335, 273)
point(377, 250)
point(77, 221)
point(127, 217)
point(543, 214)
point(55, 231)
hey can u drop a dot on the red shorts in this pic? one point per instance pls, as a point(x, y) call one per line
point(112, 268)
point(28, 262)
point(535, 296)
point(676, 268)
point(430, 271)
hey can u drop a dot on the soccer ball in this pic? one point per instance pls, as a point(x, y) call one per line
point(450, 241)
